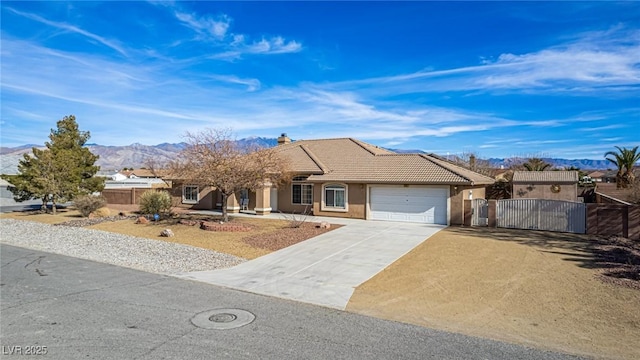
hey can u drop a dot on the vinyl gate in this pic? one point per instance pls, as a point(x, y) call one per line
point(480, 212)
point(540, 214)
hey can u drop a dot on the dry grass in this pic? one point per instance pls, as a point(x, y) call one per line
point(61, 216)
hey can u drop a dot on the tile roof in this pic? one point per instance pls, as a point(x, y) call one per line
point(545, 176)
point(351, 160)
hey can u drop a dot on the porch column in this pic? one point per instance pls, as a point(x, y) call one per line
point(263, 201)
point(233, 205)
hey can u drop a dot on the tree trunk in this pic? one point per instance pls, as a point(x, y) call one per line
point(53, 205)
point(620, 180)
point(225, 200)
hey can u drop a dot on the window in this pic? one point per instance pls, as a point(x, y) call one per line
point(190, 194)
point(302, 194)
point(335, 196)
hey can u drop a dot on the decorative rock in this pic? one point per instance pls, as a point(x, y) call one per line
point(324, 225)
point(167, 233)
point(161, 257)
point(214, 226)
point(142, 220)
point(189, 222)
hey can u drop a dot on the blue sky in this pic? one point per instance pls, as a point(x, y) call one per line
point(500, 79)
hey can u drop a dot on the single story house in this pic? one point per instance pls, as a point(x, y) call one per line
point(554, 185)
point(349, 178)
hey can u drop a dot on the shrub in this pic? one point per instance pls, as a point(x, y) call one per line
point(155, 202)
point(102, 212)
point(87, 204)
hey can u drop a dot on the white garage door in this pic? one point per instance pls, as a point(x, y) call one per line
point(411, 204)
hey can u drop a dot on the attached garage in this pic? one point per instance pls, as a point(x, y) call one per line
point(422, 204)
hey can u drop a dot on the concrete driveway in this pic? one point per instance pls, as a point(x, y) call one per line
point(326, 269)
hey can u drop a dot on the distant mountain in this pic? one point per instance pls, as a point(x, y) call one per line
point(582, 164)
point(136, 155)
point(118, 157)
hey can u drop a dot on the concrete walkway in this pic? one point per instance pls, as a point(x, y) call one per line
point(326, 269)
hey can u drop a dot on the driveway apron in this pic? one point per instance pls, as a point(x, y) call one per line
point(326, 269)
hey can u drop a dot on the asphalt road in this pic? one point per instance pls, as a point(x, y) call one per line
point(80, 309)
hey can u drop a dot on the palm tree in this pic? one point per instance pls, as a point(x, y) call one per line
point(536, 164)
point(625, 159)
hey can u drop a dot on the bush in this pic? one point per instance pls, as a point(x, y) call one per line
point(102, 212)
point(87, 204)
point(155, 202)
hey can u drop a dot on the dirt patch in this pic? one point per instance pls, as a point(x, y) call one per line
point(286, 236)
point(620, 260)
point(534, 288)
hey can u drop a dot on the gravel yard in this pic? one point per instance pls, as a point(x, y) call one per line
point(117, 249)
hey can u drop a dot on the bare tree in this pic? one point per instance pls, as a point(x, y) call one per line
point(471, 161)
point(213, 158)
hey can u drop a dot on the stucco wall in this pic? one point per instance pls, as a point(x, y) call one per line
point(356, 198)
point(207, 196)
point(285, 197)
point(568, 192)
point(456, 202)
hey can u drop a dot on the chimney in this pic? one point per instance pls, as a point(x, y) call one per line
point(283, 139)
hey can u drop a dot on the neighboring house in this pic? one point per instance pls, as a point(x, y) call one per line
point(127, 183)
point(349, 178)
point(143, 174)
point(597, 176)
point(610, 194)
point(555, 185)
point(112, 175)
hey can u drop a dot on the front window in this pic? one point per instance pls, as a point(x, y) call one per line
point(190, 194)
point(334, 196)
point(302, 194)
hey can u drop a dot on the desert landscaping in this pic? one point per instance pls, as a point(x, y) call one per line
point(541, 289)
point(557, 291)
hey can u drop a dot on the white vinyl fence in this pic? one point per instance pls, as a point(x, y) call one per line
point(541, 214)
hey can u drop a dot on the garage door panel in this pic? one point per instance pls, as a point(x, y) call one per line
point(411, 204)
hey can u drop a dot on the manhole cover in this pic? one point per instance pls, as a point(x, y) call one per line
point(222, 319)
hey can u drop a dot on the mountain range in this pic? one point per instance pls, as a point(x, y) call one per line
point(136, 155)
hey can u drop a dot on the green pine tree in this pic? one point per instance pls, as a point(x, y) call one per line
point(62, 171)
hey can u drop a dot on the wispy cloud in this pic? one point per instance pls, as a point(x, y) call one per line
point(251, 84)
point(71, 28)
point(595, 62)
point(205, 25)
point(233, 45)
point(601, 128)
